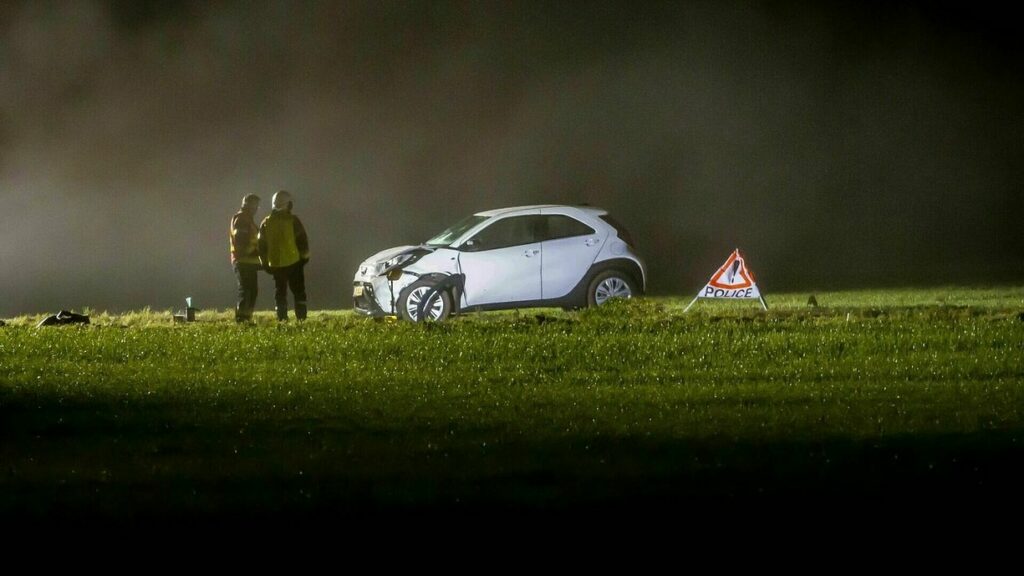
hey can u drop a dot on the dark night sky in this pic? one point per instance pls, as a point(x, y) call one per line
point(844, 145)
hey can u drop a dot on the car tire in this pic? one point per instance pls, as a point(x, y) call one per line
point(610, 284)
point(409, 299)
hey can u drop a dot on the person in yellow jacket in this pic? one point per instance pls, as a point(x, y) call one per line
point(284, 252)
point(245, 257)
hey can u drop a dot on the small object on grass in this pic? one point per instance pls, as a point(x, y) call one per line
point(1019, 317)
point(812, 301)
point(179, 318)
point(2, 323)
point(63, 318)
point(190, 311)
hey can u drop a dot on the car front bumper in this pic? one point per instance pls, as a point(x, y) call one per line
point(364, 300)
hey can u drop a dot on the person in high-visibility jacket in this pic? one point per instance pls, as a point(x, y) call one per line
point(284, 251)
point(245, 256)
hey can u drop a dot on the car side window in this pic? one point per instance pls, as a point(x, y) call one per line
point(504, 233)
point(557, 226)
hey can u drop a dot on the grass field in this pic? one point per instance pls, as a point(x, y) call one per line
point(870, 395)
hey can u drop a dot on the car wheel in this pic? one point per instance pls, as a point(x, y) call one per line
point(409, 301)
point(610, 284)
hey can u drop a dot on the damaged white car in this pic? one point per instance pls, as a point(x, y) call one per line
point(524, 257)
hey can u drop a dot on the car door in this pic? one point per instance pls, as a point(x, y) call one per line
point(502, 262)
point(569, 247)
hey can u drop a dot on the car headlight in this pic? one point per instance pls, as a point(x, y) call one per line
point(397, 261)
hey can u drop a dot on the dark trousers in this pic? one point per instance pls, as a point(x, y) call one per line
point(290, 277)
point(248, 288)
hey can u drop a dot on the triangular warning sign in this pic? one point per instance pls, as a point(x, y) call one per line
point(733, 274)
point(732, 281)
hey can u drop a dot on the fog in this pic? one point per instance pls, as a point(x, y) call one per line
point(850, 145)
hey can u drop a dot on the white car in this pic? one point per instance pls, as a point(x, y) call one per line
point(523, 257)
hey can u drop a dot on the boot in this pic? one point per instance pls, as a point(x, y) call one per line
point(240, 316)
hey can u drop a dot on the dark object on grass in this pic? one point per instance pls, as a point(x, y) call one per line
point(1019, 317)
point(544, 319)
point(62, 318)
point(2, 323)
point(812, 301)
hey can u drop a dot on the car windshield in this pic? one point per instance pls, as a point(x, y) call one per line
point(453, 233)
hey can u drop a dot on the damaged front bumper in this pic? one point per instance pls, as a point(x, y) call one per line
point(379, 281)
point(364, 300)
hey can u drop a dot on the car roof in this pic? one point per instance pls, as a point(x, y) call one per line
point(591, 210)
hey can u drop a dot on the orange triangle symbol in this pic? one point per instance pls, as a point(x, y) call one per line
point(733, 274)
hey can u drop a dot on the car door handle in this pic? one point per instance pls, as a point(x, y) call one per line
point(592, 241)
point(531, 252)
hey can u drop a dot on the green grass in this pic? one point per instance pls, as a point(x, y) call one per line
point(872, 393)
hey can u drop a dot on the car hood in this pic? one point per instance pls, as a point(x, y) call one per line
point(385, 255)
point(369, 266)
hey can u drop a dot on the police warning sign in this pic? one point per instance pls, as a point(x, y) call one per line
point(733, 280)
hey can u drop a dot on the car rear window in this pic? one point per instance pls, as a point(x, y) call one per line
point(624, 234)
point(557, 226)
